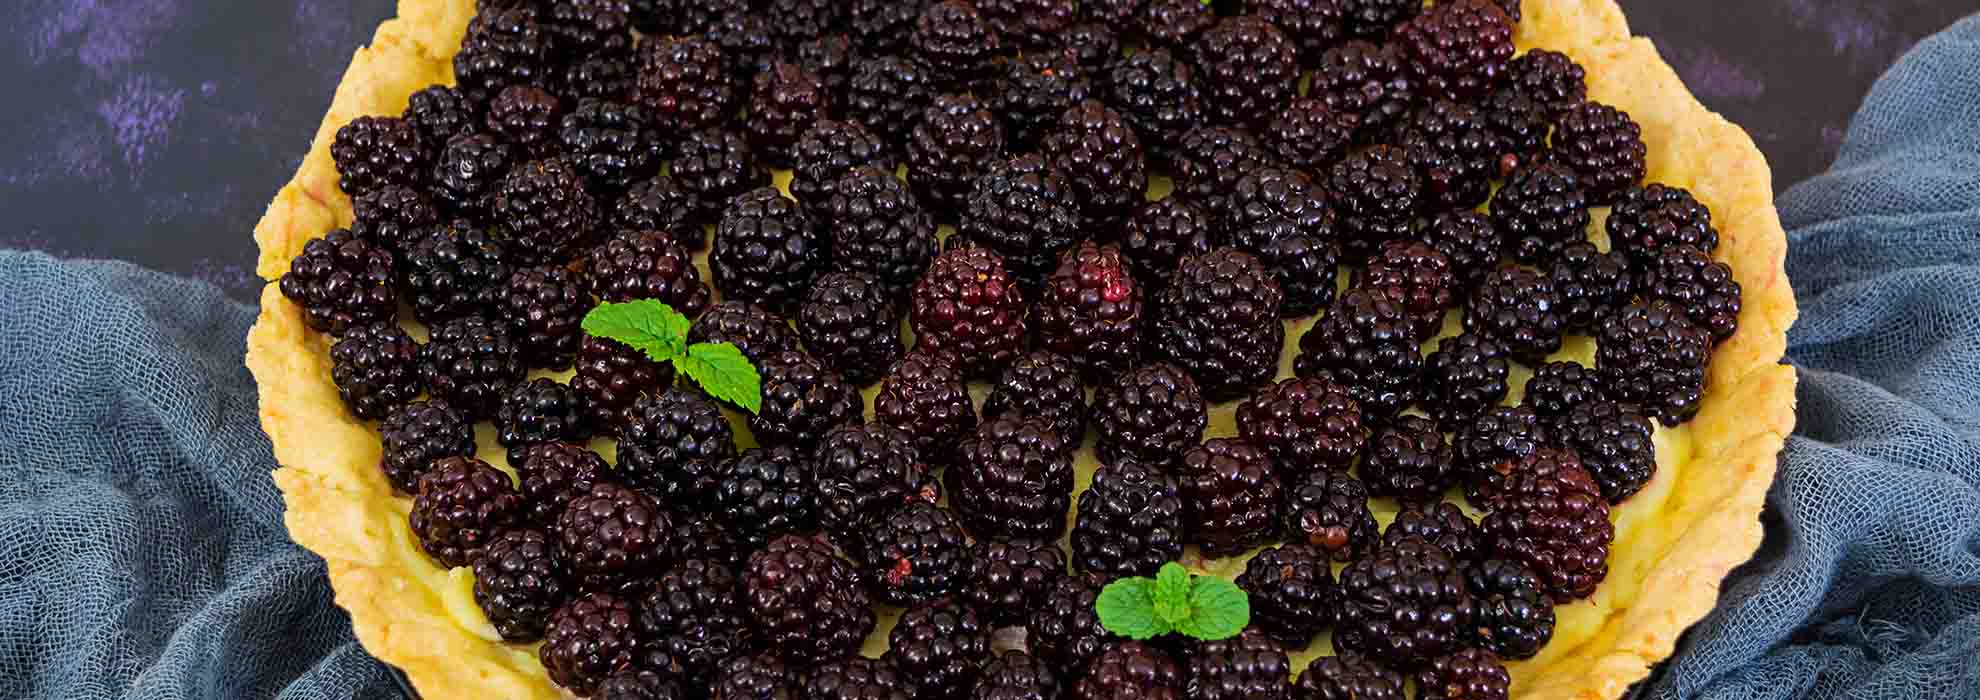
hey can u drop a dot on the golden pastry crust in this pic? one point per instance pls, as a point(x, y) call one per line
point(1697, 520)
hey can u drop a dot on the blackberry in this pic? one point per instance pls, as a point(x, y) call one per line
point(1551, 517)
point(1292, 592)
point(393, 216)
point(807, 601)
point(452, 271)
point(785, 101)
point(416, 435)
point(588, 639)
point(461, 506)
point(545, 210)
point(1129, 670)
point(1175, 24)
point(1601, 144)
point(1550, 78)
point(1129, 522)
point(1469, 674)
point(1308, 134)
point(1230, 496)
point(1249, 666)
point(673, 445)
point(1156, 92)
point(1219, 320)
point(916, 555)
point(849, 321)
point(1091, 311)
point(1689, 279)
point(1120, 15)
point(828, 151)
point(1210, 160)
point(527, 117)
point(1027, 212)
point(1459, 49)
point(1041, 384)
point(865, 473)
point(372, 152)
point(967, 307)
point(924, 394)
point(613, 144)
point(1441, 524)
point(886, 93)
point(830, 57)
point(1541, 209)
point(1013, 478)
point(1418, 275)
point(602, 76)
point(545, 305)
point(503, 46)
point(1404, 603)
point(439, 112)
point(1371, 82)
point(1163, 233)
point(752, 329)
point(376, 369)
point(1007, 578)
point(802, 401)
point(1646, 220)
point(954, 140)
point(749, 43)
point(683, 82)
point(636, 684)
point(1065, 631)
point(767, 250)
point(1557, 387)
point(762, 676)
point(717, 165)
point(880, 229)
point(1468, 239)
point(951, 37)
point(1409, 460)
point(857, 678)
point(1329, 510)
point(1028, 24)
point(941, 644)
point(614, 532)
point(539, 411)
point(468, 171)
point(702, 536)
point(798, 20)
point(1375, 18)
point(1465, 377)
point(660, 204)
point(1305, 424)
point(1652, 355)
point(1033, 91)
point(468, 362)
point(550, 474)
point(1349, 676)
point(1016, 675)
point(1513, 617)
point(518, 582)
point(883, 26)
point(1282, 216)
point(680, 17)
point(1591, 284)
point(1151, 413)
point(1092, 45)
point(342, 280)
point(1613, 441)
point(1488, 448)
point(1376, 194)
point(1455, 153)
point(1248, 67)
point(1366, 342)
point(610, 376)
point(588, 27)
point(1095, 149)
point(1522, 123)
point(693, 615)
point(767, 492)
point(1521, 310)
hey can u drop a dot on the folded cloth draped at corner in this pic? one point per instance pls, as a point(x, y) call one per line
point(142, 553)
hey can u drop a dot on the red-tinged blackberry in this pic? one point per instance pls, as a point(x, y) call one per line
point(1405, 604)
point(646, 265)
point(767, 250)
point(1163, 233)
point(550, 474)
point(754, 330)
point(1408, 459)
point(828, 151)
point(673, 445)
point(545, 305)
point(1282, 216)
point(1646, 220)
point(612, 143)
point(764, 493)
point(880, 229)
point(1521, 310)
point(1689, 279)
point(850, 321)
point(453, 270)
point(1013, 478)
point(807, 602)
point(1555, 521)
point(924, 394)
point(504, 46)
point(1016, 675)
point(693, 617)
point(518, 582)
point(1465, 377)
point(1034, 91)
point(578, 28)
point(1306, 133)
point(703, 536)
point(1041, 384)
point(1601, 144)
point(941, 644)
point(682, 81)
point(1175, 24)
point(866, 472)
point(1230, 494)
point(1613, 441)
point(439, 112)
point(1219, 320)
point(831, 58)
point(1292, 592)
point(1065, 631)
point(1329, 510)
point(1541, 210)
point(1128, 670)
point(1651, 354)
point(955, 40)
point(955, 138)
point(1366, 342)
point(1512, 616)
point(1249, 69)
point(527, 117)
point(1092, 45)
point(857, 678)
point(614, 532)
point(798, 20)
point(1417, 274)
point(802, 401)
point(1152, 414)
point(1557, 387)
point(468, 171)
point(588, 639)
point(1591, 284)
point(469, 362)
point(916, 555)
point(1091, 311)
point(883, 26)
point(610, 376)
point(1492, 445)
point(762, 676)
point(717, 165)
point(603, 76)
point(1031, 25)
point(1210, 160)
point(749, 44)
point(395, 216)
point(1305, 424)
point(1550, 78)
point(1458, 48)
point(1369, 81)
point(1441, 524)
point(1156, 92)
point(416, 435)
point(375, 368)
point(1468, 239)
point(1376, 193)
point(1008, 578)
point(1454, 151)
point(545, 210)
point(968, 307)
point(784, 103)
point(637, 684)
point(1375, 18)
point(660, 204)
point(461, 506)
point(1249, 666)
point(1470, 674)
point(1349, 676)
point(342, 280)
point(1130, 522)
point(887, 93)
point(1095, 149)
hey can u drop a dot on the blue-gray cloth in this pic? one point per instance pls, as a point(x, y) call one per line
point(142, 553)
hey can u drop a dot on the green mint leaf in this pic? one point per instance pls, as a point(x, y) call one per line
point(1127, 608)
point(1172, 594)
point(722, 370)
point(647, 325)
point(1218, 609)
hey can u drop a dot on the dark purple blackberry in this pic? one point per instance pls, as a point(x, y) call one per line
point(1249, 666)
point(614, 532)
point(1613, 441)
point(1409, 460)
point(1512, 616)
point(1417, 274)
point(1248, 68)
point(1130, 522)
point(1041, 384)
point(527, 117)
point(545, 210)
point(545, 305)
point(342, 280)
point(1591, 284)
point(955, 138)
point(468, 362)
point(661, 204)
point(439, 112)
point(540, 411)
point(1292, 592)
point(1646, 220)
point(924, 394)
point(1458, 48)
point(1031, 25)
point(802, 401)
point(798, 20)
point(1092, 45)
point(452, 271)
point(1557, 387)
point(1689, 279)
point(588, 639)
point(1541, 209)
point(462, 504)
point(1016, 675)
point(611, 375)
point(1441, 524)
point(1025, 210)
point(1365, 343)
point(1152, 414)
point(1175, 24)
point(601, 76)
point(1522, 124)
point(865, 473)
point(1376, 193)
point(1468, 239)
point(1120, 15)
point(1161, 234)
point(1374, 18)
point(1219, 320)
point(1230, 494)
point(550, 474)
point(376, 369)
point(1013, 478)
point(1306, 133)
point(1313, 25)
point(749, 44)
point(850, 322)
point(1305, 424)
point(955, 40)
point(1329, 510)
point(394, 216)
point(468, 171)
point(693, 617)
point(703, 536)
point(1282, 216)
point(647, 265)
point(1210, 160)
point(1469, 674)
point(1550, 78)
point(916, 555)
point(717, 165)
point(1349, 676)
point(1065, 630)
point(966, 306)
point(1521, 310)
point(755, 331)
point(883, 26)
point(941, 644)
point(1091, 311)
point(1033, 92)
point(1551, 517)
point(826, 153)
point(1128, 670)
point(1404, 603)
point(1455, 153)
point(1097, 151)
point(1007, 578)
point(372, 152)
point(767, 250)
point(830, 57)
point(762, 676)
point(783, 105)
point(504, 46)
point(1369, 81)
point(680, 17)
point(880, 229)
point(887, 93)
point(857, 678)
point(416, 435)
point(807, 602)
point(518, 582)
point(1464, 377)
point(1490, 446)
point(637, 684)
point(683, 82)
point(1652, 355)
point(578, 28)
point(1601, 144)
point(765, 493)
point(612, 143)
point(1156, 92)
point(673, 445)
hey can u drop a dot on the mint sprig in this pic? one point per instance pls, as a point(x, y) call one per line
point(1204, 607)
point(654, 328)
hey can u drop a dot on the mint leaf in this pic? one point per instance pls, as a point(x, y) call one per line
point(1172, 593)
point(1218, 609)
point(722, 370)
point(647, 325)
point(1127, 608)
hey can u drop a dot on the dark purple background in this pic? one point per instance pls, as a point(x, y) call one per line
point(157, 130)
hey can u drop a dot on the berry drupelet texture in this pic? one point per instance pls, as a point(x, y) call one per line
point(1541, 208)
point(925, 395)
point(1652, 355)
point(767, 250)
point(1208, 161)
point(886, 93)
point(1591, 284)
point(545, 306)
point(1282, 216)
point(1409, 460)
point(1376, 18)
point(1614, 443)
point(376, 369)
point(802, 401)
point(1009, 577)
point(1469, 240)
point(1219, 320)
point(589, 638)
point(1152, 414)
point(1091, 310)
point(1312, 25)
point(1013, 478)
point(806, 601)
point(1406, 604)
point(1248, 67)
point(452, 271)
point(603, 76)
point(1646, 220)
point(1156, 92)
point(610, 376)
point(1129, 522)
point(372, 152)
point(716, 165)
point(466, 173)
point(539, 411)
point(916, 555)
point(505, 45)
point(1305, 424)
point(1329, 510)
point(827, 152)
point(954, 39)
point(682, 81)
point(462, 504)
point(783, 104)
point(1441, 524)
point(673, 445)
point(343, 280)
point(638, 684)
point(552, 473)
point(546, 211)
point(439, 112)
point(1028, 24)
point(1307, 134)
point(1065, 630)
point(1026, 211)
point(1016, 675)
point(1348, 676)
point(881, 229)
point(1093, 45)
point(1366, 342)
point(1231, 496)
point(1491, 446)
point(968, 307)
point(612, 143)
point(1512, 616)
point(1690, 279)
point(1418, 275)
point(1458, 49)
point(1603, 145)
point(1095, 148)
point(1455, 151)
point(1041, 384)
point(613, 533)
point(1032, 91)
point(1557, 387)
point(1550, 515)
point(395, 216)
point(1550, 78)
point(765, 493)
point(1466, 376)
point(416, 435)
point(1292, 592)
point(1250, 666)
point(1161, 234)
point(469, 362)
point(1175, 24)
point(518, 582)
point(851, 324)
point(759, 676)
point(882, 26)
point(857, 678)
point(1519, 309)
point(1371, 82)
point(941, 644)
point(865, 473)
point(954, 139)
point(1128, 670)
point(1376, 193)
point(1469, 674)
point(527, 117)
point(755, 331)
